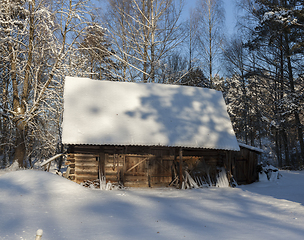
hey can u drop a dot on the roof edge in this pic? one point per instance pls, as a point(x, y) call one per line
point(138, 145)
point(251, 148)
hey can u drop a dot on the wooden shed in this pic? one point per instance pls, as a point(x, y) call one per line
point(146, 135)
point(244, 164)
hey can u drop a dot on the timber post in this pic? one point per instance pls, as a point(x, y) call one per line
point(102, 177)
point(180, 168)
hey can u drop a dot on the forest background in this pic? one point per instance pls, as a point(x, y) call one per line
point(259, 68)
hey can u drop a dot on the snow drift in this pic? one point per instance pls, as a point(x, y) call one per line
point(32, 200)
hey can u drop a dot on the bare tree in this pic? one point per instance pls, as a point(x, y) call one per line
point(144, 31)
point(38, 43)
point(211, 19)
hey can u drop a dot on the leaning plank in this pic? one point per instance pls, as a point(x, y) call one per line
point(136, 165)
point(51, 159)
point(67, 173)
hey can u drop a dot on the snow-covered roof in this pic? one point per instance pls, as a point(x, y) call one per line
point(251, 147)
point(123, 113)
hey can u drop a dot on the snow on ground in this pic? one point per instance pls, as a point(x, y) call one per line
point(32, 200)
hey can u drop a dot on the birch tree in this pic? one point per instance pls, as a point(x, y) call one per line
point(211, 19)
point(144, 31)
point(38, 39)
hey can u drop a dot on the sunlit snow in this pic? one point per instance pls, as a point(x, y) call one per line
point(121, 113)
point(32, 200)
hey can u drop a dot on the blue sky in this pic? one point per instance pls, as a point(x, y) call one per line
point(229, 8)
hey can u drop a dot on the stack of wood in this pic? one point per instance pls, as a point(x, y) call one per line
point(197, 174)
point(91, 184)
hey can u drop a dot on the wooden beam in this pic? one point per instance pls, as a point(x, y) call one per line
point(101, 171)
point(51, 159)
point(180, 168)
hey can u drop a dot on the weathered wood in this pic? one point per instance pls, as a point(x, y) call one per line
point(153, 165)
point(84, 164)
point(102, 158)
point(67, 173)
point(180, 167)
point(135, 174)
point(51, 159)
point(145, 159)
point(86, 167)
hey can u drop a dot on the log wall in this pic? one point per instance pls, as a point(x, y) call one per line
point(135, 166)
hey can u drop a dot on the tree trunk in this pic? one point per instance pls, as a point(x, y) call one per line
point(278, 149)
point(20, 151)
point(285, 144)
point(292, 89)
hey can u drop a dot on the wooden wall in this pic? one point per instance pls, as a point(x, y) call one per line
point(135, 166)
point(245, 166)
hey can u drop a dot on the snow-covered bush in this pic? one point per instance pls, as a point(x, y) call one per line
point(268, 173)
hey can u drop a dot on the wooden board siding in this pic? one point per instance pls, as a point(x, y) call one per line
point(135, 171)
point(245, 166)
point(142, 166)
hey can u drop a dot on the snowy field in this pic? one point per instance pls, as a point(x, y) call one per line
point(32, 200)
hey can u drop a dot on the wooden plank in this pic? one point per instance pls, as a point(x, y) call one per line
point(89, 163)
point(85, 177)
point(86, 159)
point(83, 171)
point(136, 178)
point(95, 167)
point(102, 158)
point(85, 155)
point(136, 174)
point(136, 165)
point(51, 159)
point(180, 168)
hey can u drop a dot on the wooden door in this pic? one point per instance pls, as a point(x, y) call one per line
point(136, 171)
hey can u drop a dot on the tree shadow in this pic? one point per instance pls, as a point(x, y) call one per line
point(185, 116)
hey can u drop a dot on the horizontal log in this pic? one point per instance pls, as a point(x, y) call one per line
point(92, 159)
point(85, 155)
point(86, 164)
point(71, 164)
point(81, 171)
point(87, 168)
point(86, 177)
